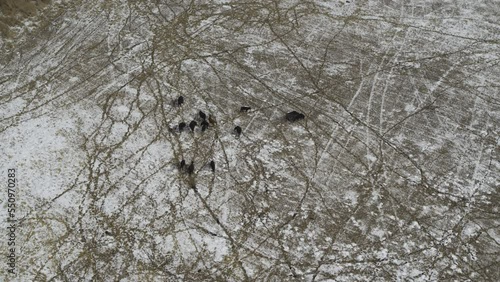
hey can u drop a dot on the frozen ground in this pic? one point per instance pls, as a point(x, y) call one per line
point(392, 176)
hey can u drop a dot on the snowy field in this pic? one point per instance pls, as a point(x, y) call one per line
point(393, 174)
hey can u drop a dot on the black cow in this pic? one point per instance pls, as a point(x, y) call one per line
point(212, 166)
point(245, 109)
point(237, 129)
point(190, 168)
point(294, 116)
point(202, 115)
point(182, 125)
point(192, 125)
point(182, 164)
point(180, 100)
point(204, 125)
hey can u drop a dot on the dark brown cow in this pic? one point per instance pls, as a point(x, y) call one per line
point(202, 115)
point(181, 126)
point(294, 116)
point(204, 125)
point(237, 129)
point(190, 168)
point(180, 100)
point(192, 125)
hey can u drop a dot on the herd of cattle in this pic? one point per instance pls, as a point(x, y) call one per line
point(210, 120)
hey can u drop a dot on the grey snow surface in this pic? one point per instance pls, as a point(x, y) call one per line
point(393, 174)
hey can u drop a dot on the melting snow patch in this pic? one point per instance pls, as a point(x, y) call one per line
point(371, 157)
point(414, 225)
point(42, 154)
point(377, 232)
point(382, 254)
point(409, 107)
point(299, 129)
point(351, 196)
